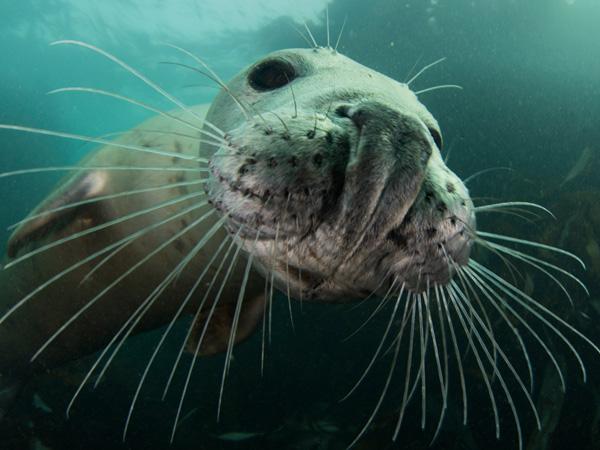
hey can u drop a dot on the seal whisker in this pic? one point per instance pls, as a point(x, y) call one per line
point(209, 317)
point(106, 197)
point(337, 42)
point(83, 89)
point(287, 130)
point(91, 257)
point(471, 293)
point(36, 170)
point(312, 38)
point(484, 171)
point(271, 307)
point(531, 244)
point(522, 211)
point(445, 380)
point(121, 277)
point(423, 354)
point(293, 97)
point(371, 294)
point(424, 69)
point(155, 295)
point(302, 35)
point(270, 279)
point(517, 212)
point(287, 262)
point(535, 262)
point(513, 206)
point(381, 342)
point(536, 308)
point(409, 358)
point(449, 152)
point(460, 303)
point(382, 302)
point(441, 86)
point(182, 306)
point(496, 300)
point(95, 140)
point(141, 309)
point(387, 381)
point(442, 301)
point(264, 324)
point(214, 77)
point(506, 360)
point(466, 288)
point(512, 269)
point(442, 379)
point(198, 139)
point(468, 334)
point(195, 319)
point(327, 25)
point(236, 318)
point(135, 73)
point(102, 226)
point(106, 259)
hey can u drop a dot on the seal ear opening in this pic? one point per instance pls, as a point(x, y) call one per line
point(54, 214)
point(218, 329)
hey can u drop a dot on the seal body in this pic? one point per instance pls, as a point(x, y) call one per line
point(53, 299)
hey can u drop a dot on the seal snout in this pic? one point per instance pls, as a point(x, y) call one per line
point(389, 128)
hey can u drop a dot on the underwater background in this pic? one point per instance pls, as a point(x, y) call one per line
point(529, 107)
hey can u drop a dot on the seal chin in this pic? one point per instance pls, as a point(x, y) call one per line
point(436, 237)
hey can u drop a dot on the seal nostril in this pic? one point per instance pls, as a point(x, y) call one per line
point(318, 159)
point(343, 111)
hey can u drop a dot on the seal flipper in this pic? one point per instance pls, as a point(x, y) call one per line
point(80, 188)
point(218, 329)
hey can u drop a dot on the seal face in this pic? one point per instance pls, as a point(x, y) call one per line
point(333, 178)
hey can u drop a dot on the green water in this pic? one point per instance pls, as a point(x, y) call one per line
point(530, 102)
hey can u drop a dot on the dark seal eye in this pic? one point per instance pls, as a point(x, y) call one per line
point(271, 74)
point(437, 137)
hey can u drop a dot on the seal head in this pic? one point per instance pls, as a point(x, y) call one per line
point(332, 177)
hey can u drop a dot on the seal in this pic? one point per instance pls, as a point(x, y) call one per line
point(308, 170)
